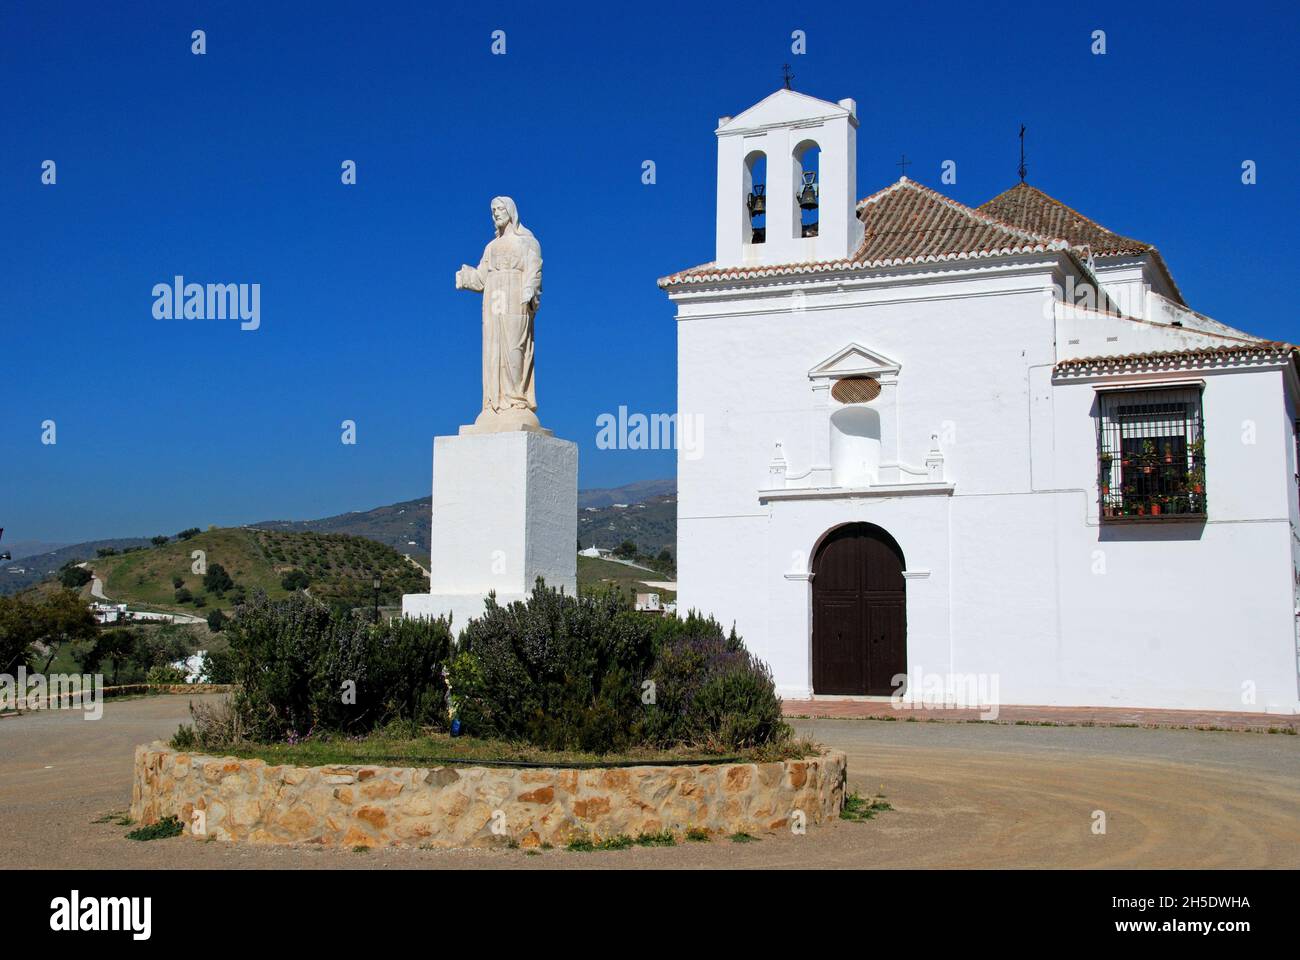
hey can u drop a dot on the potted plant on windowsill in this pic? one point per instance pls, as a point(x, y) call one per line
point(1148, 456)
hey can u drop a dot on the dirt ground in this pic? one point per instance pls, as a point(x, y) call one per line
point(963, 795)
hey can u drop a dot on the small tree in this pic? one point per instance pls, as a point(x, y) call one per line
point(626, 550)
point(116, 646)
point(74, 577)
point(59, 620)
point(17, 631)
point(217, 580)
point(183, 595)
point(159, 541)
point(216, 620)
point(295, 580)
point(188, 533)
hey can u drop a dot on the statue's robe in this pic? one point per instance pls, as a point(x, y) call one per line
point(510, 278)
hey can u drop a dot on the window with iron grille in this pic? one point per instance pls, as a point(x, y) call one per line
point(1151, 454)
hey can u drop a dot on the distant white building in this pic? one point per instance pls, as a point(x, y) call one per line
point(991, 441)
point(593, 551)
point(195, 666)
point(649, 602)
point(108, 612)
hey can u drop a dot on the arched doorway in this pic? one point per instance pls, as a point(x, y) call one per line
point(859, 634)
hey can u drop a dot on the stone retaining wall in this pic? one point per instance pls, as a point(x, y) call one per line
point(251, 801)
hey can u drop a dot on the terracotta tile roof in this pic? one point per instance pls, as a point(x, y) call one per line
point(1030, 208)
point(1264, 350)
point(904, 223)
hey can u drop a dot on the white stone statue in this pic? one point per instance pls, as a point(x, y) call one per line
point(510, 278)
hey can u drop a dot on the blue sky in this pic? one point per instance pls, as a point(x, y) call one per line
point(225, 168)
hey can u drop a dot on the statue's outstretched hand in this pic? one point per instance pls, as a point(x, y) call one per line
point(463, 276)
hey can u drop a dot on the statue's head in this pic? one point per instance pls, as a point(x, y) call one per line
point(504, 213)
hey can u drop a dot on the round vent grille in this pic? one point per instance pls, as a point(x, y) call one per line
point(856, 389)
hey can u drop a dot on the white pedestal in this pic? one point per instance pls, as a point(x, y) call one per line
point(505, 512)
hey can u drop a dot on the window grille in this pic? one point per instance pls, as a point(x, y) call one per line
point(1151, 454)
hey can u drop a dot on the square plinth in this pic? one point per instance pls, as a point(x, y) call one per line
point(505, 512)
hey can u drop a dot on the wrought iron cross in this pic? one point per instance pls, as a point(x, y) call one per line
point(787, 75)
point(904, 163)
point(1022, 153)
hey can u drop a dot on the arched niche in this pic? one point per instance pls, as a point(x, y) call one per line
point(806, 158)
point(754, 228)
point(855, 446)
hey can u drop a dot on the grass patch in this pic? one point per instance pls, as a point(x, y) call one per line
point(595, 574)
point(436, 748)
point(619, 841)
point(664, 838)
point(858, 808)
point(743, 837)
point(697, 835)
point(164, 828)
point(360, 848)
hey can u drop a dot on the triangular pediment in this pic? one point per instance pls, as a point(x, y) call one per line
point(782, 108)
point(855, 360)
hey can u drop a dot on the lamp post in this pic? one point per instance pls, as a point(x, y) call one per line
point(376, 584)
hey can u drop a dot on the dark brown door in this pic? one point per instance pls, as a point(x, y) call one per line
point(859, 612)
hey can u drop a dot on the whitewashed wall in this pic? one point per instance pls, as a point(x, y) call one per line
point(1001, 570)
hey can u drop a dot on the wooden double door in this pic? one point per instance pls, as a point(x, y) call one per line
point(859, 632)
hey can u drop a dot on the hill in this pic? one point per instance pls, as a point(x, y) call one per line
point(339, 569)
point(403, 526)
point(19, 574)
point(651, 525)
point(644, 512)
point(636, 492)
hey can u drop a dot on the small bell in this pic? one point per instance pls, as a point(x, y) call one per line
point(757, 202)
point(808, 195)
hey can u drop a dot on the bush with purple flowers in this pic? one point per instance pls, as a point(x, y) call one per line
point(589, 673)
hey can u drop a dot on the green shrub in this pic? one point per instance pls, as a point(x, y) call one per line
point(302, 668)
point(219, 665)
point(566, 673)
point(295, 580)
point(557, 671)
point(217, 580)
point(165, 674)
point(166, 827)
point(709, 690)
point(74, 577)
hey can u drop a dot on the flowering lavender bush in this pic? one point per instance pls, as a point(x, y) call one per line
point(589, 673)
point(709, 691)
point(556, 671)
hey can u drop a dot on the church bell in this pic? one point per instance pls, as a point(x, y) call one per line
point(757, 201)
point(808, 195)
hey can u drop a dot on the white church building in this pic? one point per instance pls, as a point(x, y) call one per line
point(948, 441)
